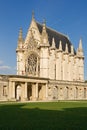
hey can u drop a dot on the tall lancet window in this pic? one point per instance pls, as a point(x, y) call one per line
point(32, 65)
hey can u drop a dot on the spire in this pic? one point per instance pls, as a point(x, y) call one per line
point(60, 45)
point(44, 21)
point(80, 45)
point(20, 39)
point(44, 26)
point(66, 49)
point(72, 50)
point(80, 49)
point(20, 34)
point(44, 35)
point(53, 43)
point(77, 52)
point(33, 15)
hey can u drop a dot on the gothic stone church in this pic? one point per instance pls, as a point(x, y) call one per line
point(48, 68)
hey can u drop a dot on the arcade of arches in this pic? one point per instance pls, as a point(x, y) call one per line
point(36, 89)
point(24, 91)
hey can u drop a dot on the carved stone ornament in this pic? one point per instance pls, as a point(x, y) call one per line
point(32, 45)
point(32, 65)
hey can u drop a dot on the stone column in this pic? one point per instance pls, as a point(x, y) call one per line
point(76, 70)
point(22, 92)
point(9, 90)
point(25, 92)
point(81, 68)
point(52, 66)
point(80, 93)
point(13, 90)
point(37, 69)
point(36, 91)
point(46, 91)
point(65, 66)
point(33, 91)
point(59, 65)
point(76, 92)
point(71, 68)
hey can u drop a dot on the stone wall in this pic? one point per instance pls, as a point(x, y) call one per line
point(67, 90)
point(24, 88)
point(3, 88)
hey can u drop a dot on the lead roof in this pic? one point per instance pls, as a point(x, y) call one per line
point(57, 36)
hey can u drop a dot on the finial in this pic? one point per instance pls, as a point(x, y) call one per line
point(20, 33)
point(32, 14)
point(45, 35)
point(77, 52)
point(80, 45)
point(44, 26)
point(20, 39)
point(80, 49)
point(66, 49)
point(72, 50)
point(44, 21)
point(53, 43)
point(60, 45)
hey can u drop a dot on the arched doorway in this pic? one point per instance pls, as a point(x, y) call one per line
point(85, 92)
point(55, 92)
point(29, 91)
point(67, 93)
point(76, 92)
point(18, 92)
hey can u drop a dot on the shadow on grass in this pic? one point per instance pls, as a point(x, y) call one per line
point(15, 117)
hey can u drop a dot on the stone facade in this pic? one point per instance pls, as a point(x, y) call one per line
point(49, 54)
point(48, 68)
point(25, 88)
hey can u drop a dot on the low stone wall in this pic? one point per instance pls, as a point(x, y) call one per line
point(66, 90)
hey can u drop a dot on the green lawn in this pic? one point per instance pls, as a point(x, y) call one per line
point(44, 116)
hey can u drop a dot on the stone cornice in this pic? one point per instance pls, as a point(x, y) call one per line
point(79, 83)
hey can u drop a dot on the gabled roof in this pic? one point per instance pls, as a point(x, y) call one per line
point(57, 36)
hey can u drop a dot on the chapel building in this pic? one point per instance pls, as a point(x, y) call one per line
point(48, 68)
point(47, 53)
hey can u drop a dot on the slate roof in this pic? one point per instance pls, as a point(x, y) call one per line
point(57, 36)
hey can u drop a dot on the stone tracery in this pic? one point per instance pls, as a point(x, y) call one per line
point(32, 65)
point(32, 45)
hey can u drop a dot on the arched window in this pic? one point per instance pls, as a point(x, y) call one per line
point(67, 92)
point(55, 92)
point(85, 92)
point(32, 65)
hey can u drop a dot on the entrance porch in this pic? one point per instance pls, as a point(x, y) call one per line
point(27, 90)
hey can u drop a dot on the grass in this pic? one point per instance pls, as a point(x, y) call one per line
point(44, 116)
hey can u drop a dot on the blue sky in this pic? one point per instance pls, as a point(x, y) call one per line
point(66, 16)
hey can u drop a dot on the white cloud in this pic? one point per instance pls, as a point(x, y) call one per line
point(5, 67)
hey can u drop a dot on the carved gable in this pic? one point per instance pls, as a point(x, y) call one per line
point(32, 45)
point(33, 31)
